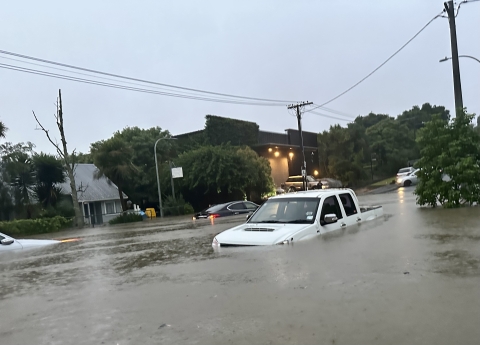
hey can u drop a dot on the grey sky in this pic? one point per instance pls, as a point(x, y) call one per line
point(302, 50)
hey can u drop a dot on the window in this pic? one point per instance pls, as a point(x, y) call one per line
point(287, 210)
point(237, 206)
point(109, 208)
point(311, 179)
point(348, 204)
point(330, 205)
point(250, 205)
point(118, 206)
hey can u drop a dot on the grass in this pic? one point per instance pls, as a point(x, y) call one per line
point(382, 182)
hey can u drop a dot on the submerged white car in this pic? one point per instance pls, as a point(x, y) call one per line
point(298, 216)
point(8, 243)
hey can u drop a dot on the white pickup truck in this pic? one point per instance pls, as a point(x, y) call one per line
point(298, 216)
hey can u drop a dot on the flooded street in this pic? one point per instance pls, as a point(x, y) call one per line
point(410, 278)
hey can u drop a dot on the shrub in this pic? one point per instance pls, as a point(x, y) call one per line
point(126, 218)
point(176, 207)
point(34, 226)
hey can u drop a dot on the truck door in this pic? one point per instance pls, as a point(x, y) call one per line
point(352, 214)
point(331, 206)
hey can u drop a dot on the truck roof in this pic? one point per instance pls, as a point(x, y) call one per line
point(315, 193)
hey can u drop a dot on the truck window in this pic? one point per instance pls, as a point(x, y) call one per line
point(330, 205)
point(348, 204)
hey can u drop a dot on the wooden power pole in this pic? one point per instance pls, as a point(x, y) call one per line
point(298, 107)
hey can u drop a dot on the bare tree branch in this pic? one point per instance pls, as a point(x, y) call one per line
point(48, 135)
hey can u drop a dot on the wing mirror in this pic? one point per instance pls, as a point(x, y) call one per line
point(6, 241)
point(330, 218)
point(249, 216)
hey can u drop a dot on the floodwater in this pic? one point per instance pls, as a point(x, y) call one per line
point(410, 278)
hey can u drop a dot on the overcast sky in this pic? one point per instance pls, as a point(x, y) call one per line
point(285, 50)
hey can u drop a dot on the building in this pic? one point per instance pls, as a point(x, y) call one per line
point(99, 197)
point(281, 149)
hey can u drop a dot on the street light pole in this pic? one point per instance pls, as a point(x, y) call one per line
point(465, 56)
point(158, 179)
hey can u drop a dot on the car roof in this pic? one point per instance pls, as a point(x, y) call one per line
point(316, 193)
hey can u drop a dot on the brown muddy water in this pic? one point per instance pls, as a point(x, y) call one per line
point(410, 278)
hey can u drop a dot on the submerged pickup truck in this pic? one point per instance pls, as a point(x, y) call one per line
point(298, 216)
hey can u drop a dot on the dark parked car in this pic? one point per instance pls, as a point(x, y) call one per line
point(228, 209)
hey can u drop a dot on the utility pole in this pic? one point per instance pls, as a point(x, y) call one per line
point(298, 107)
point(457, 86)
point(171, 180)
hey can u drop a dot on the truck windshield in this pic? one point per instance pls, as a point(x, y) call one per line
point(287, 210)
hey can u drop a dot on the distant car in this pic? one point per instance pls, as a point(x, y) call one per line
point(295, 183)
point(9, 244)
point(405, 171)
point(228, 209)
point(330, 183)
point(409, 179)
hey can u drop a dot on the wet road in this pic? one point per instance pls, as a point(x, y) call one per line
point(410, 278)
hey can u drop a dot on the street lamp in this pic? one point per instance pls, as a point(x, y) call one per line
point(466, 56)
point(156, 168)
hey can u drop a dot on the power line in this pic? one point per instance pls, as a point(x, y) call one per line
point(140, 80)
point(381, 65)
point(116, 86)
point(329, 116)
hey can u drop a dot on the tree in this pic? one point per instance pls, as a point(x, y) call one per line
point(66, 157)
point(215, 174)
point(49, 172)
point(449, 163)
point(19, 174)
point(113, 159)
point(3, 129)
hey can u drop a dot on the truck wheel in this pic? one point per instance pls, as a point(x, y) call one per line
point(407, 183)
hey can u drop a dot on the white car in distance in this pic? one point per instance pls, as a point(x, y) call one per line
point(10, 244)
point(299, 216)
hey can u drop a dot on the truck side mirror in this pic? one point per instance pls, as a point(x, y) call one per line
point(249, 215)
point(330, 218)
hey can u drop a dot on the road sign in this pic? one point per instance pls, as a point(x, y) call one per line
point(177, 172)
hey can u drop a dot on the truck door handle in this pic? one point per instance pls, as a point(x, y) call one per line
point(359, 220)
point(343, 225)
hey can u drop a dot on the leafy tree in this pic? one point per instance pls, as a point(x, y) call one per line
point(3, 129)
point(19, 174)
point(113, 159)
point(82, 158)
point(215, 174)
point(449, 148)
point(49, 172)
point(392, 144)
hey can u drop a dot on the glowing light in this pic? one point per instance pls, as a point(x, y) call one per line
point(277, 153)
point(269, 149)
point(70, 240)
point(315, 173)
point(290, 155)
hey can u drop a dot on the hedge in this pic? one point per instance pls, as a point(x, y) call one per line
point(22, 227)
point(126, 218)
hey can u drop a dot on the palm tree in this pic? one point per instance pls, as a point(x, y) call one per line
point(49, 172)
point(113, 159)
point(3, 129)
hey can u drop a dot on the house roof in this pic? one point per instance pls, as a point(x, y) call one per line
point(89, 188)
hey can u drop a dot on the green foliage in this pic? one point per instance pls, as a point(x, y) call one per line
point(137, 146)
point(113, 159)
point(23, 227)
point(176, 207)
point(220, 130)
point(3, 129)
point(126, 218)
point(49, 172)
point(449, 149)
point(375, 142)
point(214, 174)
point(82, 158)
